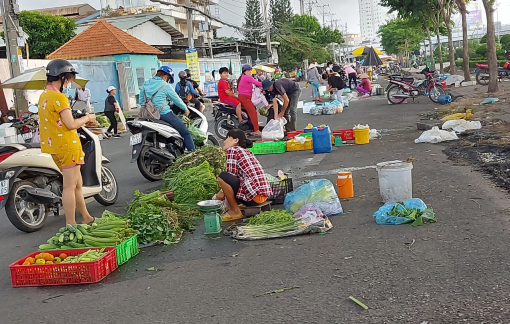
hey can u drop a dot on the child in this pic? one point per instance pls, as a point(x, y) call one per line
point(225, 93)
point(365, 87)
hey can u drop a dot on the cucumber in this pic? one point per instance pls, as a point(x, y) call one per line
point(70, 228)
point(61, 238)
point(82, 230)
point(66, 247)
point(71, 236)
point(46, 247)
point(77, 245)
point(62, 230)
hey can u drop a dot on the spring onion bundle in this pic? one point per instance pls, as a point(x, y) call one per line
point(258, 231)
point(271, 217)
point(214, 155)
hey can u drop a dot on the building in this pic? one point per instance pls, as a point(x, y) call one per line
point(371, 16)
point(136, 61)
point(75, 12)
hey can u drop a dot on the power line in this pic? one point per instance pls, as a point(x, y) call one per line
point(262, 29)
point(233, 5)
point(235, 13)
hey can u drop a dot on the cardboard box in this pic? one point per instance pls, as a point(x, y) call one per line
point(9, 131)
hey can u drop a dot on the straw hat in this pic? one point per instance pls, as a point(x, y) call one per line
point(364, 76)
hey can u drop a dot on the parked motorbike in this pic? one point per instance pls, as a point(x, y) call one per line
point(482, 72)
point(226, 119)
point(398, 90)
point(27, 126)
point(156, 144)
point(31, 184)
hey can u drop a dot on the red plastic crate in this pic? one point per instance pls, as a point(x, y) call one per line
point(63, 273)
point(345, 134)
point(291, 135)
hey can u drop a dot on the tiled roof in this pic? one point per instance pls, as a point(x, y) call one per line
point(102, 39)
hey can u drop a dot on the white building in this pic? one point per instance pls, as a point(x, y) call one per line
point(371, 16)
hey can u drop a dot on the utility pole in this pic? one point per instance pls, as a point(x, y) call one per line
point(310, 4)
point(301, 7)
point(324, 14)
point(208, 22)
point(10, 11)
point(189, 22)
point(268, 32)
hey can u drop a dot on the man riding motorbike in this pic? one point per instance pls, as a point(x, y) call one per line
point(164, 97)
point(196, 86)
point(186, 91)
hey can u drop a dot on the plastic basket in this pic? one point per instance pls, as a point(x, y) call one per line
point(280, 190)
point(268, 148)
point(345, 134)
point(291, 135)
point(127, 249)
point(305, 134)
point(63, 273)
point(294, 145)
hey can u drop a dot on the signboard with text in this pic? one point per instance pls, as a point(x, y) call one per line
point(211, 89)
point(474, 17)
point(192, 63)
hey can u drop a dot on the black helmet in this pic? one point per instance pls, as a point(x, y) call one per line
point(188, 72)
point(58, 67)
point(182, 75)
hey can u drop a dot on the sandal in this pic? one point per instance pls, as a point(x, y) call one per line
point(93, 220)
point(228, 218)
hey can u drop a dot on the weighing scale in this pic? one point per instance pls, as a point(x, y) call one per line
point(212, 219)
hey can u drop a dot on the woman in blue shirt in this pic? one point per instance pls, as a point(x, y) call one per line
point(166, 97)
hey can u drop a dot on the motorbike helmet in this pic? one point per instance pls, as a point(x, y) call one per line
point(60, 69)
point(188, 72)
point(183, 75)
point(168, 71)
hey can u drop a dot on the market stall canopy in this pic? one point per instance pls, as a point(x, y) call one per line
point(35, 79)
point(363, 50)
point(372, 59)
point(264, 68)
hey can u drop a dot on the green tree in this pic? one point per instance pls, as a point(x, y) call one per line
point(399, 36)
point(505, 42)
point(253, 20)
point(46, 32)
point(483, 40)
point(491, 45)
point(461, 6)
point(280, 12)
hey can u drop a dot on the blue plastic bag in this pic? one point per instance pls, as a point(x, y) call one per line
point(382, 218)
point(318, 193)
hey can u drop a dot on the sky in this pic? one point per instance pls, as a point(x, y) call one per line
point(345, 11)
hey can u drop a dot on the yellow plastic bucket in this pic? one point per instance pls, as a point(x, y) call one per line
point(361, 136)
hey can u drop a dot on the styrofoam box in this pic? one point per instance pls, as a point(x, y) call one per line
point(11, 139)
point(9, 131)
point(307, 106)
point(2, 140)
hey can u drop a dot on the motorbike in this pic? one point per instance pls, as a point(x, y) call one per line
point(482, 72)
point(400, 89)
point(31, 183)
point(225, 119)
point(156, 144)
point(27, 126)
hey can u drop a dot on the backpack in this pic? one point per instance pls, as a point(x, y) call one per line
point(183, 91)
point(147, 109)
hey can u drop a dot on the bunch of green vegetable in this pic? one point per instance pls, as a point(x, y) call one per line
point(214, 155)
point(416, 216)
point(194, 184)
point(275, 216)
point(198, 136)
point(103, 121)
point(276, 229)
point(89, 256)
point(159, 220)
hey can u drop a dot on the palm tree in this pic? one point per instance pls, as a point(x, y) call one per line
point(461, 5)
point(491, 45)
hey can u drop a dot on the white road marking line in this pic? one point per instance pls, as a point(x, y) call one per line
point(334, 171)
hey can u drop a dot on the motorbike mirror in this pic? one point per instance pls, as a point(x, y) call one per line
point(24, 115)
point(33, 109)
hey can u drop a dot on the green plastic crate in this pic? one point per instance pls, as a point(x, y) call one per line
point(268, 148)
point(307, 135)
point(127, 249)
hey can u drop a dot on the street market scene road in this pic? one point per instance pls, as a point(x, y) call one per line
point(451, 271)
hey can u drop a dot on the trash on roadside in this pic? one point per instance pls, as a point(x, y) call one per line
point(444, 99)
point(359, 126)
point(464, 115)
point(374, 134)
point(459, 126)
point(436, 135)
point(489, 101)
point(410, 211)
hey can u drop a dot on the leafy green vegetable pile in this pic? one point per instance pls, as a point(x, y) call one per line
point(416, 216)
point(274, 216)
point(193, 185)
point(214, 155)
point(198, 136)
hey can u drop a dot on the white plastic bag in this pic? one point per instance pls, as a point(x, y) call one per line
point(274, 129)
point(460, 125)
point(435, 135)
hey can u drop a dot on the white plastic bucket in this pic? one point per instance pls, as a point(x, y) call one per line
point(395, 181)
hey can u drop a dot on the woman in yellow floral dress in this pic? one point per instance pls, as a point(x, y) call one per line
point(60, 138)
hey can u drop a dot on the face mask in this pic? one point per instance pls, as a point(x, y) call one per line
point(68, 87)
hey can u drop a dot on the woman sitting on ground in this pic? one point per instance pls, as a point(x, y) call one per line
point(365, 87)
point(244, 181)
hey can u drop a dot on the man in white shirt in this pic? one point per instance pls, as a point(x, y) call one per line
point(83, 95)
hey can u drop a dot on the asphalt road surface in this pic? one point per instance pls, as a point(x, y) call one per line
point(454, 271)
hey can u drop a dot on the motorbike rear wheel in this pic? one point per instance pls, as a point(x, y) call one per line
point(395, 90)
point(211, 140)
point(219, 126)
point(151, 170)
point(25, 216)
point(110, 190)
point(482, 77)
point(435, 92)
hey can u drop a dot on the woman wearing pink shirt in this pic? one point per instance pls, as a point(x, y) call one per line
point(245, 90)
